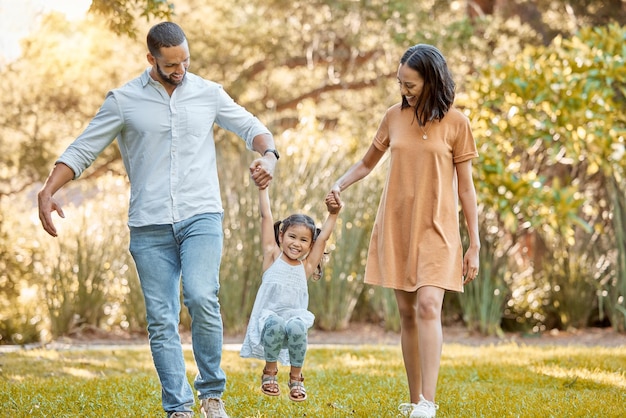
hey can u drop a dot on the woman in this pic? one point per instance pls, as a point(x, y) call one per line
point(415, 246)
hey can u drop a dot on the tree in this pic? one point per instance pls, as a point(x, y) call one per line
point(553, 168)
point(122, 14)
point(551, 18)
point(52, 91)
point(320, 74)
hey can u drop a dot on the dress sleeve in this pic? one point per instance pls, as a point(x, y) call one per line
point(464, 146)
point(381, 139)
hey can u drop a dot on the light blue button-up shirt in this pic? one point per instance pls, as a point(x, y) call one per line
point(166, 143)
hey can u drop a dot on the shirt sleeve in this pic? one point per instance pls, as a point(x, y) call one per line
point(237, 119)
point(101, 131)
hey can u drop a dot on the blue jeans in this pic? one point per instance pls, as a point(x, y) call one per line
point(162, 253)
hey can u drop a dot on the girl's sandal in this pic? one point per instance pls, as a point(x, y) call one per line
point(297, 392)
point(269, 383)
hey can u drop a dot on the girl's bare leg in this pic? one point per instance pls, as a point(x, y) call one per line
point(295, 371)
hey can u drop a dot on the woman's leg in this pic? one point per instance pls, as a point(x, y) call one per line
point(421, 339)
point(407, 308)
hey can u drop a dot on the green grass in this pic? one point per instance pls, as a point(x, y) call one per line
point(504, 380)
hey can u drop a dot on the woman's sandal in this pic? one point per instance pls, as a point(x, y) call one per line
point(297, 392)
point(269, 383)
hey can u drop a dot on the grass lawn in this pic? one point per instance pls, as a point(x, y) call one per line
point(504, 380)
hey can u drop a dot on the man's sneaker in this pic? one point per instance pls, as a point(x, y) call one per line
point(180, 415)
point(423, 409)
point(213, 408)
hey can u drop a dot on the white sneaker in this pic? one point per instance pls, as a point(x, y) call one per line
point(213, 408)
point(406, 408)
point(424, 409)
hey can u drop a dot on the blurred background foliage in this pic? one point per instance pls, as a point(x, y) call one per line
point(543, 83)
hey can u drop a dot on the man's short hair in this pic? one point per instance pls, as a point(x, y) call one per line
point(164, 35)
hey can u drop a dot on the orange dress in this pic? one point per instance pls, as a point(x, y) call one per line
point(416, 239)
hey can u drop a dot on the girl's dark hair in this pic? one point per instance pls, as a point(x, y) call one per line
point(164, 35)
point(299, 219)
point(438, 93)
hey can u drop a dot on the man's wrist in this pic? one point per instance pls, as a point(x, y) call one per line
point(273, 151)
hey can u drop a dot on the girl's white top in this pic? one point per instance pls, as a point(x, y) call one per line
point(283, 292)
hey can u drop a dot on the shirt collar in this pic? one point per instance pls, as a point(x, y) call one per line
point(145, 77)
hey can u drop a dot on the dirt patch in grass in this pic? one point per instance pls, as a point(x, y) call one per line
point(359, 334)
point(372, 334)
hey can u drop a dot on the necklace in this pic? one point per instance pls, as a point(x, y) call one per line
point(424, 132)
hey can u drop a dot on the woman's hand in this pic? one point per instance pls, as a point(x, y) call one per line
point(470, 264)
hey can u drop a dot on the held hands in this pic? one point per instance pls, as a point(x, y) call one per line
point(332, 206)
point(333, 201)
point(336, 192)
point(262, 171)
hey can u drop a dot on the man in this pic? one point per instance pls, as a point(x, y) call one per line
point(164, 124)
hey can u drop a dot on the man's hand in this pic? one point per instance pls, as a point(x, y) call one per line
point(47, 205)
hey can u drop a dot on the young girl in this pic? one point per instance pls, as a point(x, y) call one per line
point(277, 331)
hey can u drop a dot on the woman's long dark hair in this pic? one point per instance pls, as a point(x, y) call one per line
point(438, 93)
point(299, 219)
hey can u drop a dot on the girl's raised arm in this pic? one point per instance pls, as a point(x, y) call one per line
point(268, 240)
point(317, 250)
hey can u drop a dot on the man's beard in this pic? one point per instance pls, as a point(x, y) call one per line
point(167, 78)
